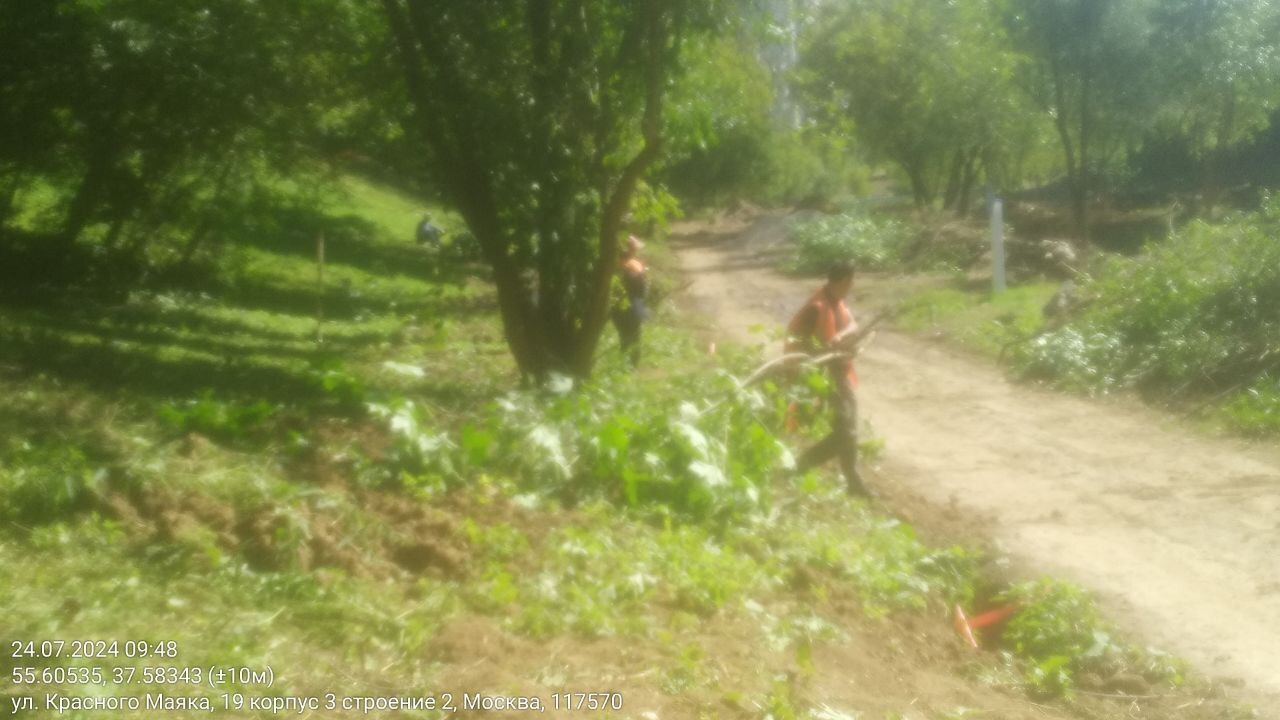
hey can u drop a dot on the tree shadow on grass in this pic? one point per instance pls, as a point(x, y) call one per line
point(115, 369)
point(349, 240)
point(100, 335)
point(344, 302)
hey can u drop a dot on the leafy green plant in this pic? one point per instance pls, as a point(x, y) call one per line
point(336, 383)
point(707, 460)
point(1057, 631)
point(1058, 634)
point(885, 561)
point(1192, 317)
point(653, 208)
point(40, 483)
point(1256, 410)
point(606, 577)
point(850, 237)
point(418, 456)
point(222, 420)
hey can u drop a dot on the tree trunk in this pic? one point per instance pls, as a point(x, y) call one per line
point(85, 202)
point(466, 178)
point(8, 197)
point(1086, 130)
point(970, 176)
point(921, 193)
point(1215, 164)
point(952, 191)
point(555, 328)
point(1062, 124)
point(596, 314)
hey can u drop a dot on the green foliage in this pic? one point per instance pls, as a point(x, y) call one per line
point(222, 420)
point(1190, 317)
point(888, 564)
point(926, 87)
point(978, 319)
point(718, 119)
point(539, 122)
point(1220, 63)
point(731, 136)
point(1057, 631)
point(142, 115)
point(710, 459)
point(868, 242)
point(653, 209)
point(812, 168)
point(42, 482)
point(332, 379)
point(418, 456)
point(597, 580)
point(1058, 634)
point(1256, 410)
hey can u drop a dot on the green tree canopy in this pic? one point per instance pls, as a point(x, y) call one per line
point(540, 118)
point(927, 86)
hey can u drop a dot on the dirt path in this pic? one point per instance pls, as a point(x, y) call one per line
point(1179, 534)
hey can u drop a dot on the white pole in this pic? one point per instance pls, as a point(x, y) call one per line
point(997, 245)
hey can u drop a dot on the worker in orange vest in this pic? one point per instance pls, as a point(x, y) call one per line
point(632, 311)
point(822, 326)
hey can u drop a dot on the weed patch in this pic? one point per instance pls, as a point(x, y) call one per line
point(1190, 319)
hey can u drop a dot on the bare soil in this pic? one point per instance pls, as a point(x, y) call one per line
point(1177, 533)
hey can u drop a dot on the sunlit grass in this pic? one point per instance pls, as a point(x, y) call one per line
point(979, 320)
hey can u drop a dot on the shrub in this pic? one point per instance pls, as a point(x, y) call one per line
point(41, 483)
point(643, 445)
point(1058, 634)
point(1192, 316)
point(226, 421)
point(1057, 631)
point(850, 237)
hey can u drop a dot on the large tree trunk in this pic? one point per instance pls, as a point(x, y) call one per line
point(554, 307)
point(596, 314)
point(466, 180)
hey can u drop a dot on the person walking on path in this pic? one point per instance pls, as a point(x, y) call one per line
point(631, 312)
point(825, 325)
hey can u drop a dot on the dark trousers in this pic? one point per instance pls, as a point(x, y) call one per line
point(842, 442)
point(628, 322)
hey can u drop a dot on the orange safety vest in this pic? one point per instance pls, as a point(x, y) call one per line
point(820, 319)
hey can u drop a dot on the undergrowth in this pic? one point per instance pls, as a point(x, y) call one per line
point(195, 463)
point(1190, 319)
point(852, 237)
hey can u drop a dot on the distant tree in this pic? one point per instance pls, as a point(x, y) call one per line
point(718, 120)
point(142, 112)
point(1091, 67)
point(539, 119)
point(925, 85)
point(1221, 65)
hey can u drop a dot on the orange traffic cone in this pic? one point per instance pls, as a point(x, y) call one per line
point(966, 625)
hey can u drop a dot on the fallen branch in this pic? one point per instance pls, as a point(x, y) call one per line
point(851, 346)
